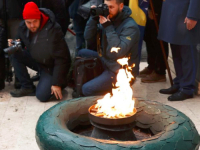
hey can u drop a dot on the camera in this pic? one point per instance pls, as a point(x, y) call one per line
point(102, 10)
point(12, 49)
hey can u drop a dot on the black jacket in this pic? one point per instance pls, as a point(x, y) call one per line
point(3, 41)
point(48, 48)
point(14, 9)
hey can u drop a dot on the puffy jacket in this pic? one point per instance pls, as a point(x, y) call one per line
point(122, 32)
point(48, 48)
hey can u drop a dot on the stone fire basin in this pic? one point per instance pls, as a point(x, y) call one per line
point(171, 128)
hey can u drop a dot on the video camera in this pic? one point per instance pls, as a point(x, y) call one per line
point(12, 49)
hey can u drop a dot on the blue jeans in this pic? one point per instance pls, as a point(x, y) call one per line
point(22, 59)
point(101, 84)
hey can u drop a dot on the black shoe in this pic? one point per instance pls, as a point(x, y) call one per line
point(170, 90)
point(23, 92)
point(17, 84)
point(179, 96)
point(36, 77)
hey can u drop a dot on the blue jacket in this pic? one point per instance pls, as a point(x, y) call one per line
point(122, 32)
point(172, 28)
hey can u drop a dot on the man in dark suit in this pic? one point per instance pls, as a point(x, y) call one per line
point(179, 26)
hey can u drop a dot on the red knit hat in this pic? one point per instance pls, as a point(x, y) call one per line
point(31, 11)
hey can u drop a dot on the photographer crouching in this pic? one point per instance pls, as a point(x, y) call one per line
point(40, 45)
point(117, 29)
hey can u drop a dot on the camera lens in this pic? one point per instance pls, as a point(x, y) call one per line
point(93, 12)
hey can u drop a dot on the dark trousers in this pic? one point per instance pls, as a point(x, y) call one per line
point(2, 71)
point(20, 61)
point(184, 57)
point(155, 57)
point(101, 84)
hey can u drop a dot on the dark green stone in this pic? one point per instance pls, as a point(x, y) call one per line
point(172, 127)
point(168, 146)
point(168, 107)
point(183, 145)
point(167, 135)
point(173, 113)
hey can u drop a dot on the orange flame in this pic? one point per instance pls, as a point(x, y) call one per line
point(115, 49)
point(121, 103)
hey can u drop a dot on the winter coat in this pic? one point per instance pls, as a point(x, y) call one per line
point(123, 32)
point(172, 28)
point(48, 48)
point(3, 41)
point(14, 9)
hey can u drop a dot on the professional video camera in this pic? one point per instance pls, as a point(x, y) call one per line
point(16, 46)
point(102, 10)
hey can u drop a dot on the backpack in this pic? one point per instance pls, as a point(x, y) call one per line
point(85, 69)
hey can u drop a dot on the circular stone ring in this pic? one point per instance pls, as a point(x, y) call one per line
point(172, 130)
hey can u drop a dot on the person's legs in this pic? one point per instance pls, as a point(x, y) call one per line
point(19, 61)
point(2, 72)
point(150, 38)
point(160, 66)
point(87, 53)
point(185, 76)
point(189, 69)
point(100, 85)
point(43, 90)
point(177, 60)
point(79, 27)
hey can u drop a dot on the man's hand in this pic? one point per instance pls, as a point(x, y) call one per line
point(56, 90)
point(190, 24)
point(93, 6)
point(103, 20)
point(10, 42)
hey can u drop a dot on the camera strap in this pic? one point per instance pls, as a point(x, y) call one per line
point(99, 49)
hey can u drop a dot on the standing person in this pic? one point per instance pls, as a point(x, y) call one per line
point(2, 57)
point(118, 29)
point(180, 26)
point(79, 23)
point(44, 50)
point(156, 69)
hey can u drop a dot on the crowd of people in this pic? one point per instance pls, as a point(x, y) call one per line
point(40, 27)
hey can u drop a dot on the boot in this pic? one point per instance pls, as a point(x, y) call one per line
point(146, 71)
point(17, 84)
point(23, 92)
point(153, 78)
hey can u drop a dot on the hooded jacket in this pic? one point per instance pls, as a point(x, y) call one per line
point(122, 32)
point(48, 48)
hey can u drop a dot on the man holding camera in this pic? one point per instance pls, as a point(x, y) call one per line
point(43, 49)
point(117, 29)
